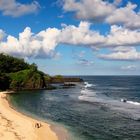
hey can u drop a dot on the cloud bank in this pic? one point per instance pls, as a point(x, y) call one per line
point(44, 43)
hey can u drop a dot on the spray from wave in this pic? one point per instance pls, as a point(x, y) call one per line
point(86, 93)
point(134, 103)
point(87, 84)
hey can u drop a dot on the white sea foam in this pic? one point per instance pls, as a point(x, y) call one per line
point(88, 95)
point(130, 108)
point(87, 85)
point(89, 98)
point(134, 103)
point(87, 92)
point(83, 98)
point(130, 102)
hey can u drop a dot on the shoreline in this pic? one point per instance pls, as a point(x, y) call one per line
point(17, 126)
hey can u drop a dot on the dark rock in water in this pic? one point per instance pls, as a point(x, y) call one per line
point(68, 85)
point(50, 87)
point(124, 100)
point(73, 80)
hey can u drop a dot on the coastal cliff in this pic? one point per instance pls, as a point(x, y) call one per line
point(16, 74)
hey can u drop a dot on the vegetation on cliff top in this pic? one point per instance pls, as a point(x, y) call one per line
point(17, 74)
point(10, 64)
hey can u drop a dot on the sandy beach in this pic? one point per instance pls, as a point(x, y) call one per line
point(16, 126)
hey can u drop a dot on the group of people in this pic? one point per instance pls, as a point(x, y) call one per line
point(38, 125)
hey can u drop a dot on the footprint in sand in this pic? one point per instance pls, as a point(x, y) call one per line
point(1, 135)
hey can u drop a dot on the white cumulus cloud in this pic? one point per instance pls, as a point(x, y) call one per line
point(120, 36)
point(16, 9)
point(29, 44)
point(128, 55)
point(81, 35)
point(126, 16)
point(96, 10)
point(103, 11)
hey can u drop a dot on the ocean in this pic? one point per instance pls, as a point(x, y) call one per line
point(101, 108)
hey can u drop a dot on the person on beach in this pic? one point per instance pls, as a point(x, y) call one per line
point(38, 125)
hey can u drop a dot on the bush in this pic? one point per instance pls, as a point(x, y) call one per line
point(27, 79)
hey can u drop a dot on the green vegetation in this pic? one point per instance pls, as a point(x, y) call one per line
point(10, 64)
point(28, 79)
point(16, 74)
point(57, 79)
point(47, 78)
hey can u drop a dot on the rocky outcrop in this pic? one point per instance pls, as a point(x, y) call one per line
point(65, 79)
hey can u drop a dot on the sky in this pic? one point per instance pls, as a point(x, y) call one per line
point(73, 37)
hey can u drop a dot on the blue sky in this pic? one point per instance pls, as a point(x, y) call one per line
point(85, 37)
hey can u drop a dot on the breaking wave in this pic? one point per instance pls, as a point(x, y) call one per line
point(130, 102)
point(130, 108)
point(87, 85)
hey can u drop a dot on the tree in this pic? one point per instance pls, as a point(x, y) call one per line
point(4, 82)
point(10, 64)
point(33, 67)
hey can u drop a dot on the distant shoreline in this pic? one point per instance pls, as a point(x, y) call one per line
point(17, 126)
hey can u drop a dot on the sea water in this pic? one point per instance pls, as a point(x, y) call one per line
point(93, 110)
